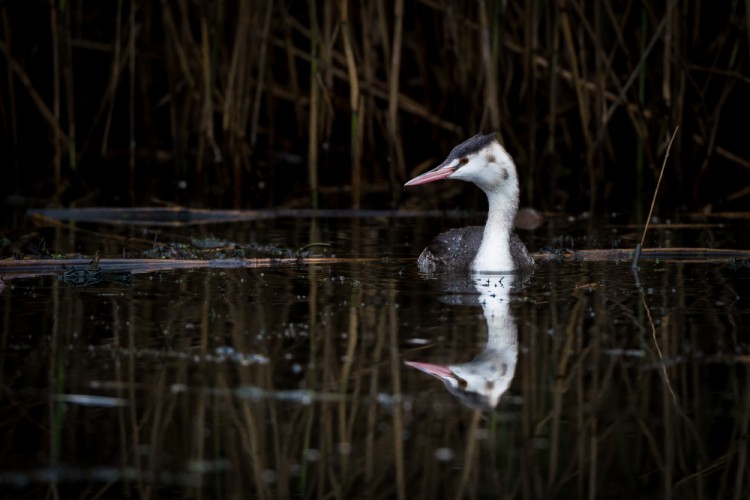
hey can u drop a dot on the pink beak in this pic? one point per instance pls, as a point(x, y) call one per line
point(438, 371)
point(435, 174)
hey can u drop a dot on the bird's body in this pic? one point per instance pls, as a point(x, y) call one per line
point(457, 248)
point(494, 248)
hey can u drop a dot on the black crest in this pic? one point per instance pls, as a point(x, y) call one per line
point(469, 146)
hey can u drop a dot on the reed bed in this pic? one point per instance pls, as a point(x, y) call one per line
point(324, 104)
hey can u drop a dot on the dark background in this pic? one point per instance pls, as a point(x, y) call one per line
point(264, 104)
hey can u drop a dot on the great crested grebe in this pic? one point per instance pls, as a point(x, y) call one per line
point(494, 248)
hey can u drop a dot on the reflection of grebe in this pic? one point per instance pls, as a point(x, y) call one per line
point(483, 161)
point(480, 382)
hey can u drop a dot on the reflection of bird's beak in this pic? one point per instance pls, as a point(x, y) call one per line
point(439, 371)
point(435, 174)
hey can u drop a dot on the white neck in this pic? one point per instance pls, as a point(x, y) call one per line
point(494, 296)
point(502, 337)
point(491, 371)
point(494, 252)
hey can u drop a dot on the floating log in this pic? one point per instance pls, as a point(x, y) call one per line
point(14, 268)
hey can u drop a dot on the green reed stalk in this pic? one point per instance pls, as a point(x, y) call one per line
point(11, 94)
point(356, 129)
point(354, 102)
point(66, 69)
point(114, 77)
point(531, 50)
point(489, 59)
point(292, 67)
point(312, 136)
point(56, 95)
point(205, 125)
point(639, 160)
point(582, 102)
point(131, 126)
point(553, 81)
point(398, 166)
point(259, 84)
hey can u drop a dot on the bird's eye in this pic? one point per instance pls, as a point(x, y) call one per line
point(463, 161)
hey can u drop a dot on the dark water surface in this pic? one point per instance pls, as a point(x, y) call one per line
point(293, 381)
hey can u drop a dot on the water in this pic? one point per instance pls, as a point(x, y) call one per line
point(292, 381)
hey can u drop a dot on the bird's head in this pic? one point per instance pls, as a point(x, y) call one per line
point(481, 160)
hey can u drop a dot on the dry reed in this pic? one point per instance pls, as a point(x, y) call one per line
point(248, 93)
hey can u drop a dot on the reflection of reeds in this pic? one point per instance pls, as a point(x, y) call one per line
point(595, 410)
point(583, 413)
point(225, 91)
